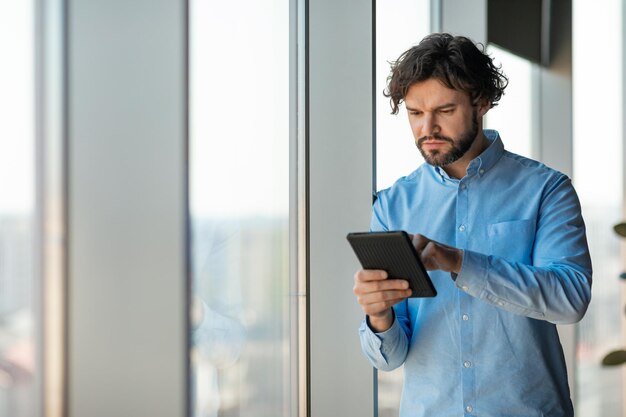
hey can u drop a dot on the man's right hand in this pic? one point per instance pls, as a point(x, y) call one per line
point(376, 294)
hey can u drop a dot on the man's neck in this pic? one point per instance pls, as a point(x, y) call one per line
point(458, 169)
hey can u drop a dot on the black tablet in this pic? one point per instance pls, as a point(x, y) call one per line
point(393, 252)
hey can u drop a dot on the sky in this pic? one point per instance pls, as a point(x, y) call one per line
point(16, 107)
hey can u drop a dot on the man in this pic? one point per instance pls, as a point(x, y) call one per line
point(503, 239)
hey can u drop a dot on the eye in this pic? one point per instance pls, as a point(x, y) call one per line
point(447, 111)
point(415, 113)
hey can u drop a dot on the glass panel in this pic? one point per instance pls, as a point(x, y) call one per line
point(239, 158)
point(399, 25)
point(19, 370)
point(598, 172)
point(513, 117)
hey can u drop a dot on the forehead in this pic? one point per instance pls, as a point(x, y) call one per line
point(433, 93)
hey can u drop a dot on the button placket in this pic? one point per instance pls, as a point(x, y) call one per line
point(461, 211)
point(466, 354)
point(462, 225)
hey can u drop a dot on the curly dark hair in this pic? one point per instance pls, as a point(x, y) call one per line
point(455, 61)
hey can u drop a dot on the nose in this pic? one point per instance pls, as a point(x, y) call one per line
point(429, 125)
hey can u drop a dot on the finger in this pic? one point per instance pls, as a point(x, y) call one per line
point(429, 256)
point(445, 258)
point(367, 287)
point(365, 275)
point(377, 308)
point(420, 242)
point(383, 296)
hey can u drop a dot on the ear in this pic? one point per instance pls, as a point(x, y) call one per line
point(482, 107)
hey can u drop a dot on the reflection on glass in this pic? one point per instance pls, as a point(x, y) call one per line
point(18, 368)
point(598, 173)
point(239, 161)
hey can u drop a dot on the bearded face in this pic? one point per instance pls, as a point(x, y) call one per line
point(441, 156)
point(444, 121)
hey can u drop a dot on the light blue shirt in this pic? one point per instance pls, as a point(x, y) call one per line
point(487, 344)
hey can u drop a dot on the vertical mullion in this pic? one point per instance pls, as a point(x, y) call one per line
point(128, 209)
point(187, 233)
point(374, 170)
point(51, 108)
point(298, 363)
point(340, 186)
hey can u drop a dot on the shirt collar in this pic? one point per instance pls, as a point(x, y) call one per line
point(485, 161)
point(488, 158)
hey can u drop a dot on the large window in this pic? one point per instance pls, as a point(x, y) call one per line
point(240, 205)
point(598, 171)
point(19, 318)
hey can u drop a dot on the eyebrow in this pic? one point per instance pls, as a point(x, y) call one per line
point(443, 106)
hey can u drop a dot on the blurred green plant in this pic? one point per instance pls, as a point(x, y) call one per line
point(617, 357)
point(620, 229)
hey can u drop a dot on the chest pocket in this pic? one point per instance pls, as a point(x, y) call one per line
point(513, 240)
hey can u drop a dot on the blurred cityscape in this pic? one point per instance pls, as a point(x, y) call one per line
point(600, 389)
point(241, 272)
point(17, 363)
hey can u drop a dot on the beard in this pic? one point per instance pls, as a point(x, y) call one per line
point(459, 148)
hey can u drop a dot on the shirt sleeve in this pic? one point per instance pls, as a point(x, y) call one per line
point(378, 222)
point(557, 286)
point(386, 350)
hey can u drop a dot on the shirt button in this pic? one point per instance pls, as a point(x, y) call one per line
point(469, 408)
point(467, 364)
point(462, 186)
point(500, 303)
point(465, 317)
point(462, 228)
point(464, 288)
point(481, 172)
